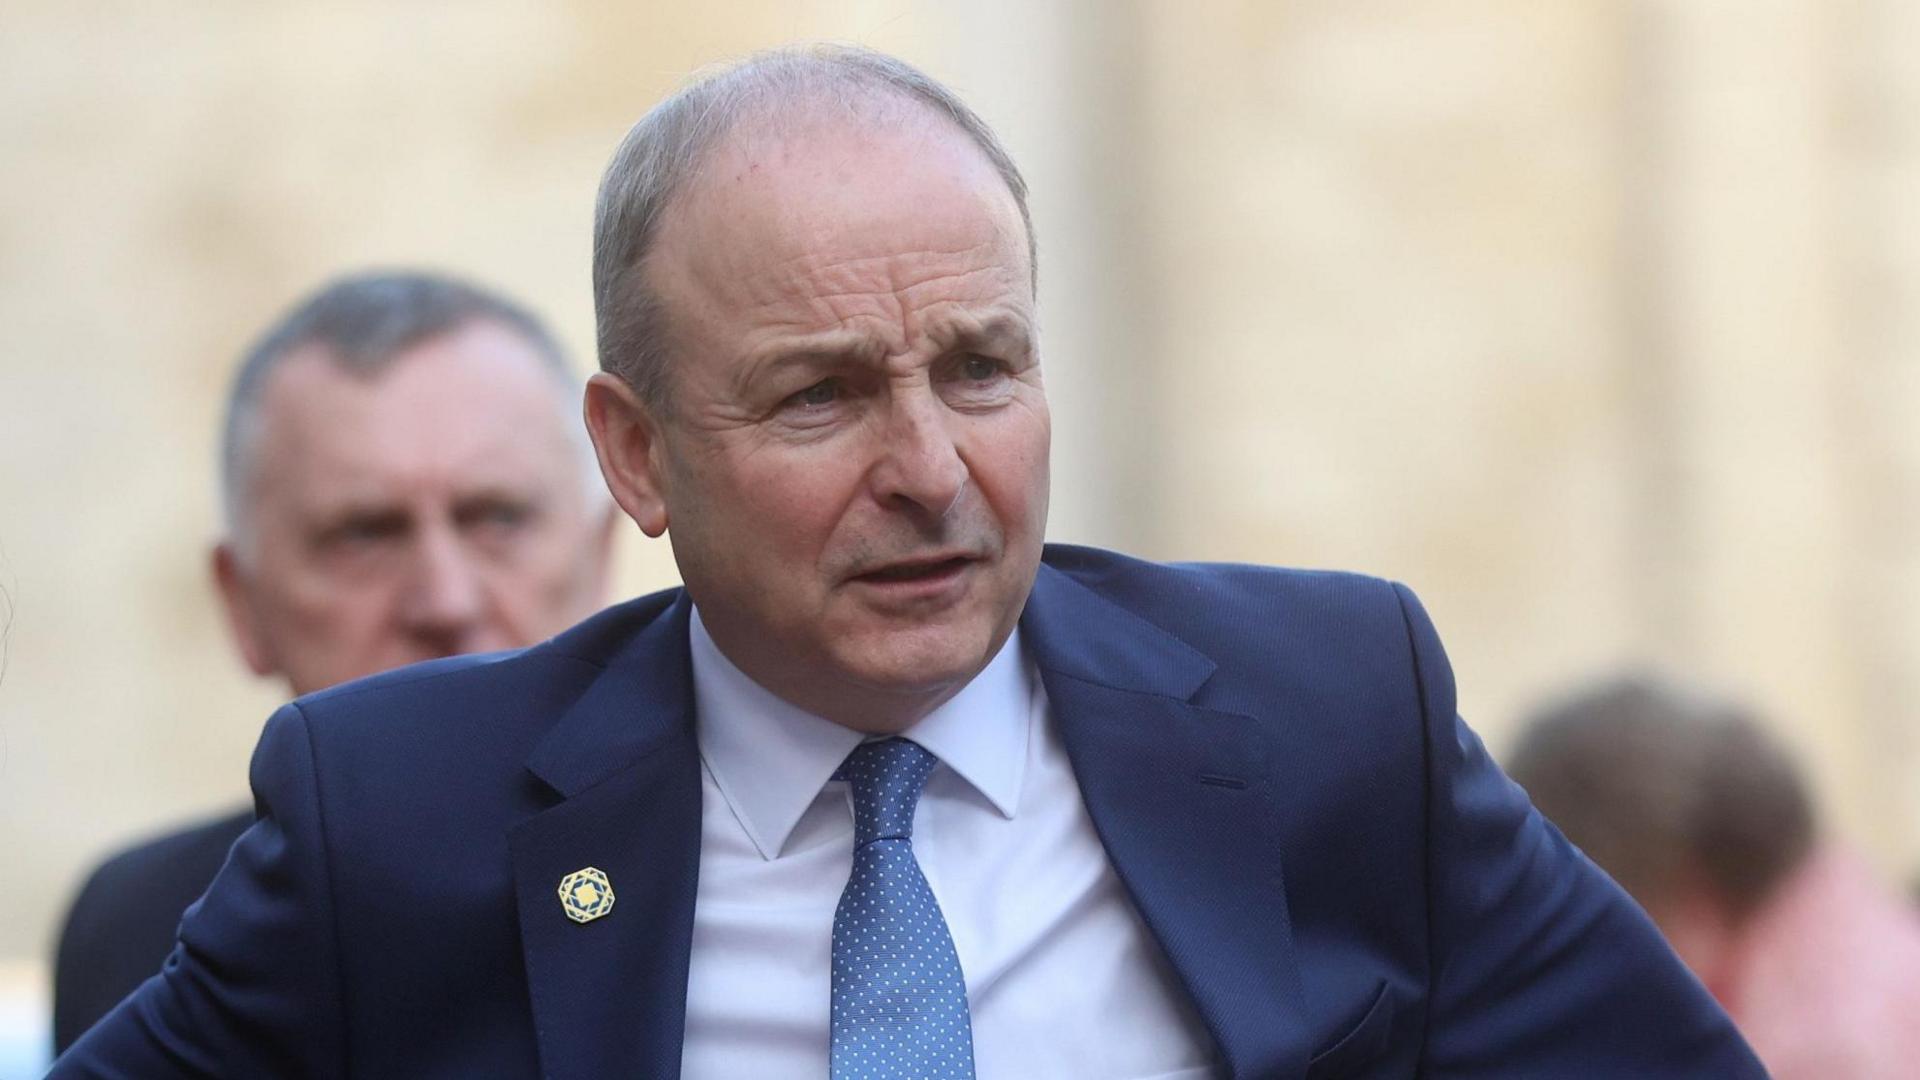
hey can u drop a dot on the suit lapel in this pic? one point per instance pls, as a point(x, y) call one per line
point(609, 995)
point(1180, 795)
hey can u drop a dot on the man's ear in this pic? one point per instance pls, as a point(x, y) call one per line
point(231, 582)
point(626, 439)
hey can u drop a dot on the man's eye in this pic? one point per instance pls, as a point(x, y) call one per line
point(493, 515)
point(824, 392)
point(978, 369)
point(364, 531)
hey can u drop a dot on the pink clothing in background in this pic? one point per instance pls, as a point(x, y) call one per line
point(1825, 982)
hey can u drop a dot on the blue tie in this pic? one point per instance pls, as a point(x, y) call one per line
point(899, 1000)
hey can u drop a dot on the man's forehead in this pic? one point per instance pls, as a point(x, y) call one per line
point(475, 406)
point(772, 209)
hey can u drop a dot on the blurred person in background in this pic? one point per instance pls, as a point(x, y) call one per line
point(406, 476)
point(1707, 822)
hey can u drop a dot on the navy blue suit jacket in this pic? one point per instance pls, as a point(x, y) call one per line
point(1343, 881)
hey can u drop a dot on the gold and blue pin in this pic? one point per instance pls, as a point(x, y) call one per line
point(586, 894)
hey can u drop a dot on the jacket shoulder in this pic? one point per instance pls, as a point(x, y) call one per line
point(1320, 640)
point(1240, 596)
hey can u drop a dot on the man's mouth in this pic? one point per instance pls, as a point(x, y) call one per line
point(918, 570)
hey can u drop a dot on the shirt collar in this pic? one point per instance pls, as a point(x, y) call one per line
point(770, 758)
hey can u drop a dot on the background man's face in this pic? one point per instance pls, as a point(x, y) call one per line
point(436, 508)
point(855, 466)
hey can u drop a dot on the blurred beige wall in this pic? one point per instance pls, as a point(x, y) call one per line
point(1596, 322)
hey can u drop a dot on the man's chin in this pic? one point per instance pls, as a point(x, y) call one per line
point(918, 663)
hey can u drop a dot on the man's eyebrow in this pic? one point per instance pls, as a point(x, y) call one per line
point(995, 330)
point(836, 350)
point(817, 353)
point(498, 491)
point(331, 521)
point(353, 506)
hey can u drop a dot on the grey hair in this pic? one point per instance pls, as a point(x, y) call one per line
point(362, 323)
point(1663, 785)
point(666, 148)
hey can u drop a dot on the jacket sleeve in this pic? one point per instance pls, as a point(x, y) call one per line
point(252, 987)
point(1540, 964)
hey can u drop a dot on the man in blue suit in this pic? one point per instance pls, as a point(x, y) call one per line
point(889, 789)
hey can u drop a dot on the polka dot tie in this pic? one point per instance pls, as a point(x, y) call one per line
point(899, 999)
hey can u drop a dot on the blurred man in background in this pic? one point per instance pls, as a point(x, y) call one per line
point(1697, 813)
point(406, 476)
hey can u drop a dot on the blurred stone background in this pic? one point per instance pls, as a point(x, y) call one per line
point(1596, 321)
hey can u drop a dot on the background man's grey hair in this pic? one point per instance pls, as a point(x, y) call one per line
point(1668, 789)
point(666, 148)
point(362, 323)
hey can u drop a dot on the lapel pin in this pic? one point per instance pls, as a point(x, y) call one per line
point(586, 894)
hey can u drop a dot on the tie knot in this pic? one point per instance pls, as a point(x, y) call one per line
point(886, 776)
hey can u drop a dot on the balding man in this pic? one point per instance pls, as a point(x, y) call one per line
point(405, 477)
point(888, 789)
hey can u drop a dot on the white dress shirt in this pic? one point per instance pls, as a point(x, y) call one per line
point(1063, 979)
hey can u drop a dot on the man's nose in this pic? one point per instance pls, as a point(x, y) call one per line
point(919, 466)
point(444, 598)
